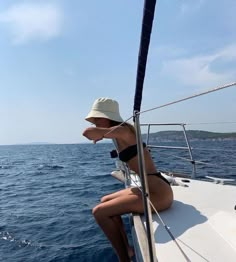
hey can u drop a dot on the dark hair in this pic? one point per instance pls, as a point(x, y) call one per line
point(115, 123)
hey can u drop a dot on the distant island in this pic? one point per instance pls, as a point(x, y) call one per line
point(38, 143)
point(192, 135)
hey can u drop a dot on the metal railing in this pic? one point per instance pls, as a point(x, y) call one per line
point(187, 147)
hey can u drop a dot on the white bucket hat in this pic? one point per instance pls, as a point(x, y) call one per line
point(105, 108)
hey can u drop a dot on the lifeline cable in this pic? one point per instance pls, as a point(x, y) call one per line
point(164, 225)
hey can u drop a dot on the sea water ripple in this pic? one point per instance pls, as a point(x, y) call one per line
point(48, 192)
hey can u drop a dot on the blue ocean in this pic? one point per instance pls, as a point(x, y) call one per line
point(48, 192)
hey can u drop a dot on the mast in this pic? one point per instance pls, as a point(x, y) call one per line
point(148, 15)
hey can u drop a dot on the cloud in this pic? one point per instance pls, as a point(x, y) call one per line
point(189, 6)
point(167, 51)
point(203, 70)
point(229, 53)
point(29, 22)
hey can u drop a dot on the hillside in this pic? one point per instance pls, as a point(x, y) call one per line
point(192, 135)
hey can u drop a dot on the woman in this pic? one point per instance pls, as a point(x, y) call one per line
point(106, 117)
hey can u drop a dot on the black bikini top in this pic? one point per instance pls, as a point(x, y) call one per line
point(129, 153)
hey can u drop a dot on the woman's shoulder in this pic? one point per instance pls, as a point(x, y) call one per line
point(125, 141)
point(123, 129)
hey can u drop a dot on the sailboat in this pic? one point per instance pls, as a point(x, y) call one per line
point(201, 223)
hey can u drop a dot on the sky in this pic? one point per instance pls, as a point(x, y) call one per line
point(58, 56)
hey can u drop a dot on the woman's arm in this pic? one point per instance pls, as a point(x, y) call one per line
point(98, 133)
point(93, 133)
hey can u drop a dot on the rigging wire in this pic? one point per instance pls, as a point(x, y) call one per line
point(211, 123)
point(232, 169)
point(190, 97)
point(214, 149)
point(196, 161)
point(169, 232)
point(158, 107)
point(177, 101)
point(163, 223)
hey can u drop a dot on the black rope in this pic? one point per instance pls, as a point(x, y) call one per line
point(148, 15)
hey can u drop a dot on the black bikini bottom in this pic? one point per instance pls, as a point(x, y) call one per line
point(158, 174)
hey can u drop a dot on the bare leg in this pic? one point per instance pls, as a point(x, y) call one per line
point(123, 202)
point(105, 212)
point(119, 221)
point(113, 233)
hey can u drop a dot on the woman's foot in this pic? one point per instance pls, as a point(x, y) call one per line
point(130, 251)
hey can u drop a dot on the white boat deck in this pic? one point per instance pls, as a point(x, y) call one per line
point(202, 219)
